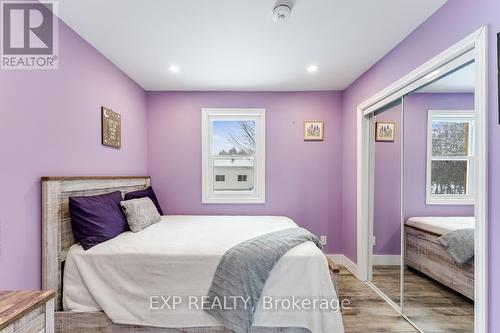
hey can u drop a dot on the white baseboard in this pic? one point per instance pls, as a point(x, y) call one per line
point(341, 259)
point(387, 259)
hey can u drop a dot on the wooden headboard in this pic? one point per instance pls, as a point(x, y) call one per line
point(57, 236)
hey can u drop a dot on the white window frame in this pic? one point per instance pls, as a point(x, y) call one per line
point(208, 194)
point(440, 199)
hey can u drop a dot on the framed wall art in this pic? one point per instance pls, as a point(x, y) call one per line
point(313, 130)
point(111, 128)
point(385, 131)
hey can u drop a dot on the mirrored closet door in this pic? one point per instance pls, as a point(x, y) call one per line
point(438, 203)
point(386, 244)
point(422, 215)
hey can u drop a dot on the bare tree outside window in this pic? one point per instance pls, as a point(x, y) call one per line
point(450, 138)
point(449, 177)
point(234, 145)
point(236, 138)
point(450, 155)
point(244, 141)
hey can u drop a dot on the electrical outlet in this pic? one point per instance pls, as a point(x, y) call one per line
point(323, 240)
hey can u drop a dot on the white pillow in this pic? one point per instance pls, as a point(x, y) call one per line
point(140, 213)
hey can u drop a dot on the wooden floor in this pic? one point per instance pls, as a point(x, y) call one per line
point(386, 278)
point(430, 305)
point(368, 312)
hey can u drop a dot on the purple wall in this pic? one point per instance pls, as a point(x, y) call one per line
point(452, 22)
point(416, 107)
point(50, 125)
point(387, 190)
point(312, 182)
point(302, 178)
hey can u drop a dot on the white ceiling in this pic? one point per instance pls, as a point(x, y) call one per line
point(235, 45)
point(461, 81)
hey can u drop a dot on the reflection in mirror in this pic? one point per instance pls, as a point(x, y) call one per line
point(386, 258)
point(438, 204)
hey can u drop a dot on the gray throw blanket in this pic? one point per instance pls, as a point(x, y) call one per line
point(243, 271)
point(459, 244)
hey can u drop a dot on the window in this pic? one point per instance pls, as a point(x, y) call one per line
point(450, 157)
point(233, 148)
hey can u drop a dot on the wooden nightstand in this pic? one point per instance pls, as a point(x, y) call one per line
point(334, 274)
point(26, 311)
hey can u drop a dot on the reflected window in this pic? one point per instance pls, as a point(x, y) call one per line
point(450, 157)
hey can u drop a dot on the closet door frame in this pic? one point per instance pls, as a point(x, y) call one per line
point(471, 49)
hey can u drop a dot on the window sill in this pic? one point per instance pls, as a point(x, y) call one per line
point(233, 201)
point(449, 201)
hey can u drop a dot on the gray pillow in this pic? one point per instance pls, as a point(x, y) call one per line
point(140, 213)
point(459, 244)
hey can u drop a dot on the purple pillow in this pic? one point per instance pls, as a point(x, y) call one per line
point(97, 218)
point(149, 193)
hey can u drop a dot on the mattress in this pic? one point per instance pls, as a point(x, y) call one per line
point(176, 258)
point(441, 225)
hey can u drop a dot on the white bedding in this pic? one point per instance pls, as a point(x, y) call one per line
point(441, 225)
point(178, 257)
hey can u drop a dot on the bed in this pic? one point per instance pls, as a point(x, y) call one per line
point(425, 254)
point(87, 283)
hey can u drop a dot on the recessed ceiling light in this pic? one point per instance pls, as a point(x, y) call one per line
point(174, 68)
point(312, 68)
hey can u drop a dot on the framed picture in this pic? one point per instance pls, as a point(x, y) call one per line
point(111, 128)
point(313, 130)
point(385, 131)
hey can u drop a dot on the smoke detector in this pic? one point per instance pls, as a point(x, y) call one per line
point(281, 13)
